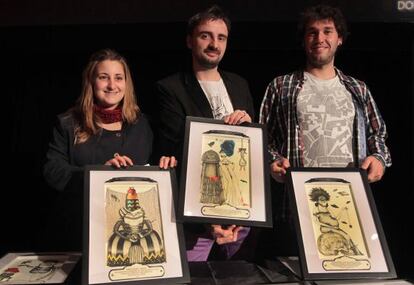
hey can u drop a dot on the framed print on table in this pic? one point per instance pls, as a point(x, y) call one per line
point(36, 267)
point(130, 230)
point(339, 231)
point(224, 177)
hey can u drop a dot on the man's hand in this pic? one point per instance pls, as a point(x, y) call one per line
point(237, 117)
point(167, 161)
point(278, 169)
point(374, 168)
point(225, 235)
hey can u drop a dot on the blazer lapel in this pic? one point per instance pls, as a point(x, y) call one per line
point(197, 95)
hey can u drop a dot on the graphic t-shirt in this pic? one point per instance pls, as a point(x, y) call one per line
point(326, 115)
point(218, 98)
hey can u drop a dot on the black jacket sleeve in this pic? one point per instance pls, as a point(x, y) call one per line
point(58, 170)
point(171, 123)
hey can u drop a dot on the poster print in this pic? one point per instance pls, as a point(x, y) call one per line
point(225, 174)
point(336, 224)
point(135, 244)
point(32, 268)
point(130, 231)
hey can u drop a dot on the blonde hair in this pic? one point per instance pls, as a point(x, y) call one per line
point(86, 121)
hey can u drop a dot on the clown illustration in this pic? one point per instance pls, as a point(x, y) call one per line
point(134, 240)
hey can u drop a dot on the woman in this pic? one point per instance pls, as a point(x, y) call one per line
point(104, 127)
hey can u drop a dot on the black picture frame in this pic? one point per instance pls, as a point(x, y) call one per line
point(337, 225)
point(230, 161)
point(130, 230)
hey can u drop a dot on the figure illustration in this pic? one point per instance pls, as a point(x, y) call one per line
point(6, 276)
point(211, 186)
point(134, 241)
point(333, 240)
point(243, 161)
point(229, 179)
point(44, 267)
point(38, 270)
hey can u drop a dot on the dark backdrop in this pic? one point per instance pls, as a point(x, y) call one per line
point(43, 60)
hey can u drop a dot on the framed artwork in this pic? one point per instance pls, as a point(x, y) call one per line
point(224, 177)
point(37, 268)
point(130, 230)
point(339, 232)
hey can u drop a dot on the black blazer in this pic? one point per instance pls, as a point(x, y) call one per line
point(180, 95)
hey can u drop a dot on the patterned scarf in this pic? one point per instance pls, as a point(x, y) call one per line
point(108, 116)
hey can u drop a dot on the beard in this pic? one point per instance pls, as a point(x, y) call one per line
point(319, 61)
point(206, 62)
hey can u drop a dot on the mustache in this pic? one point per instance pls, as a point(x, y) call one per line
point(212, 49)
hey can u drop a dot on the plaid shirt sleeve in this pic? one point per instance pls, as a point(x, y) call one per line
point(376, 130)
point(268, 116)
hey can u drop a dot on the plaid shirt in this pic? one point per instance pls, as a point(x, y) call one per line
point(279, 112)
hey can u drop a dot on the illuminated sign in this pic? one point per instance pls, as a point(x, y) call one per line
point(405, 5)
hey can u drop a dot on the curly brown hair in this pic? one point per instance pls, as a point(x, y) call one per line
point(323, 12)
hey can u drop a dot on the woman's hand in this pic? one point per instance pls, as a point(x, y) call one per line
point(167, 162)
point(237, 117)
point(119, 161)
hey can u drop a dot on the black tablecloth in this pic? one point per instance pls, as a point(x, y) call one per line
point(239, 272)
